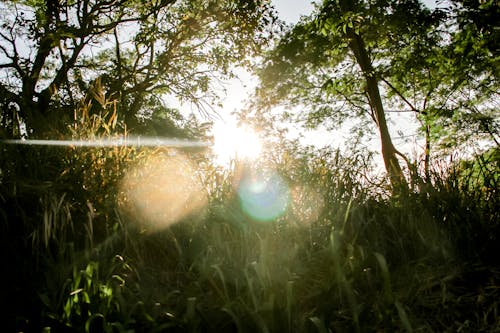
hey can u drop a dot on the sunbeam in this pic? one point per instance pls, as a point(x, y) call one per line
point(118, 142)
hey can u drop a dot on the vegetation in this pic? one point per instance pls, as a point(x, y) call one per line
point(53, 52)
point(301, 239)
point(363, 60)
point(344, 256)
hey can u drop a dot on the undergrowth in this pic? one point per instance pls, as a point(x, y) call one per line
point(344, 257)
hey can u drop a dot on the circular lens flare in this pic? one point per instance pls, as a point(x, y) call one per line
point(306, 204)
point(263, 197)
point(161, 190)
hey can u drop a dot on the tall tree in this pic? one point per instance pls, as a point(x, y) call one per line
point(335, 63)
point(474, 57)
point(141, 51)
point(476, 38)
point(450, 78)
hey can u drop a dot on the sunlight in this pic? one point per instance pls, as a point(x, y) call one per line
point(263, 197)
point(232, 142)
point(128, 141)
point(161, 190)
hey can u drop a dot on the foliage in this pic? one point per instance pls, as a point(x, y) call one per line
point(334, 62)
point(141, 53)
point(345, 253)
point(331, 66)
point(449, 80)
point(346, 256)
point(476, 41)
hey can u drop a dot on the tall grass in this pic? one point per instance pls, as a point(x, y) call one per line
point(345, 257)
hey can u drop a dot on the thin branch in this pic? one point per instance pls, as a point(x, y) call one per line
point(429, 93)
point(412, 107)
point(62, 73)
point(7, 65)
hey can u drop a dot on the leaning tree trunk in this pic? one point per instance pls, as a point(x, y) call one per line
point(389, 152)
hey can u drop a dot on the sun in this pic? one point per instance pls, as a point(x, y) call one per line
point(233, 142)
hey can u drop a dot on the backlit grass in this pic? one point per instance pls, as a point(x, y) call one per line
point(343, 257)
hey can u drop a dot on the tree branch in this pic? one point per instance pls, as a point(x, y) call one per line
point(412, 107)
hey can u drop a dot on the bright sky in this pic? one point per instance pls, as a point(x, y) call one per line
point(291, 10)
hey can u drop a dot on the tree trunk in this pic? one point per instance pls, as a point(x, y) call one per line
point(427, 160)
point(392, 166)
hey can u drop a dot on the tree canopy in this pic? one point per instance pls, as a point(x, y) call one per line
point(51, 53)
point(361, 59)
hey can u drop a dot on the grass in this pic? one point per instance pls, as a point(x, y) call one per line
point(345, 257)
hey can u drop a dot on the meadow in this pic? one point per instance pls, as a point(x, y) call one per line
point(128, 239)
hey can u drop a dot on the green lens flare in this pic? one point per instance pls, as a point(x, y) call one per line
point(264, 199)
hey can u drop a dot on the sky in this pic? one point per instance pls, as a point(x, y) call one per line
point(291, 10)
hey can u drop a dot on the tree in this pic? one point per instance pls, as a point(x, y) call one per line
point(335, 61)
point(476, 39)
point(451, 81)
point(51, 52)
point(474, 55)
point(352, 59)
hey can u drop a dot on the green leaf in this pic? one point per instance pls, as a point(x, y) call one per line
point(385, 275)
point(319, 324)
point(403, 317)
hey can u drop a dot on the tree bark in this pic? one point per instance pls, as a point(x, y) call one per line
point(389, 152)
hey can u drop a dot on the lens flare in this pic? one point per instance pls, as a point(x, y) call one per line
point(307, 204)
point(128, 141)
point(162, 190)
point(263, 197)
